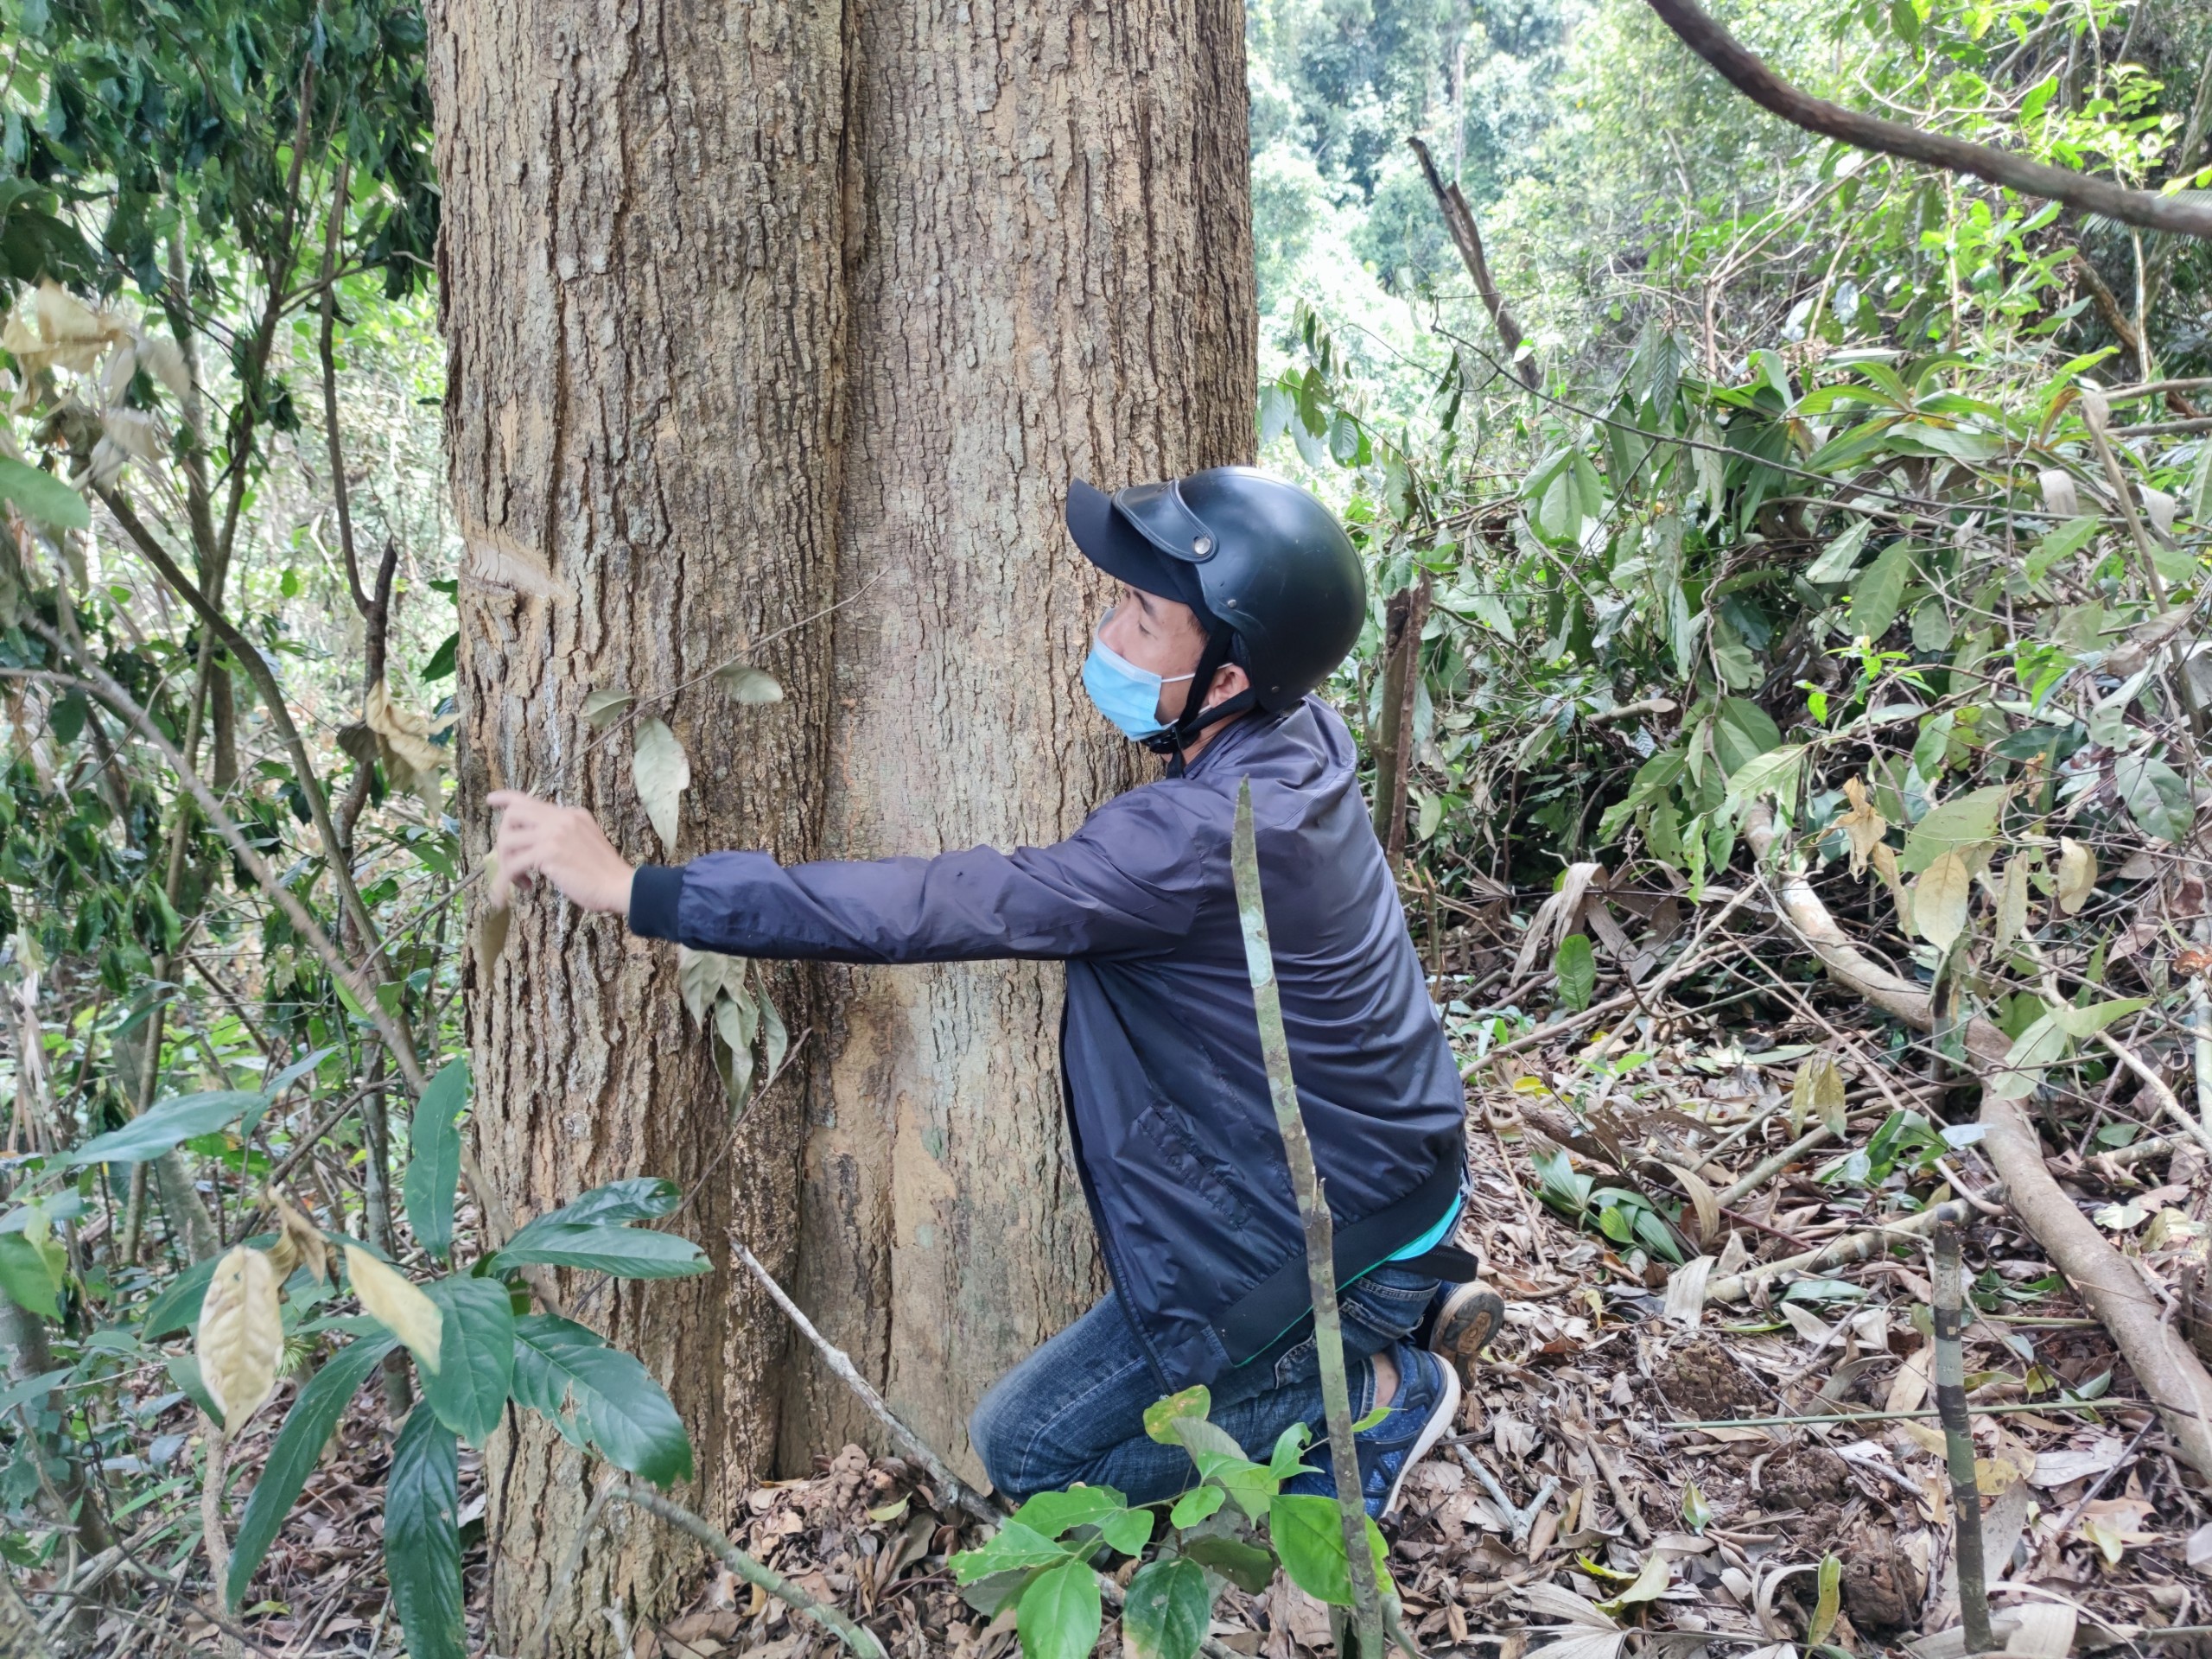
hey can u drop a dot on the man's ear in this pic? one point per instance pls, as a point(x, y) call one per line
point(1227, 680)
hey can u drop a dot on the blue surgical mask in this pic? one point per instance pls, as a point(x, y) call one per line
point(1126, 695)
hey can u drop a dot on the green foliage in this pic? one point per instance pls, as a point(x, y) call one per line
point(1235, 1526)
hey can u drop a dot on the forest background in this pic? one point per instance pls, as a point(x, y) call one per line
point(1798, 476)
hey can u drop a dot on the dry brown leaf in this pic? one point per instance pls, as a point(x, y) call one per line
point(1941, 898)
point(1884, 858)
point(241, 1335)
point(1703, 1200)
point(1862, 826)
point(2077, 874)
point(393, 1301)
point(299, 1244)
point(1816, 1094)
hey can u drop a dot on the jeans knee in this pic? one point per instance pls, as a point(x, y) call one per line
point(996, 1437)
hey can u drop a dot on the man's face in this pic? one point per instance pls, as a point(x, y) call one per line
point(1157, 634)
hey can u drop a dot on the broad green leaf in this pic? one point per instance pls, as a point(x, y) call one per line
point(1840, 556)
point(307, 1428)
point(27, 1275)
point(662, 771)
point(1010, 1548)
point(422, 1538)
point(625, 1252)
point(1309, 1538)
point(1743, 732)
point(1128, 1532)
point(598, 1395)
point(2081, 1024)
point(1251, 1484)
point(1955, 827)
point(1773, 773)
point(1250, 1568)
point(641, 1198)
point(1160, 1416)
point(476, 1355)
point(163, 1125)
point(1879, 590)
point(2063, 543)
point(42, 496)
point(1053, 1513)
point(1195, 1506)
point(1167, 1610)
point(1650, 1583)
point(2042, 1043)
point(1058, 1617)
point(2158, 798)
point(184, 1371)
point(1288, 1456)
point(433, 1162)
point(1577, 969)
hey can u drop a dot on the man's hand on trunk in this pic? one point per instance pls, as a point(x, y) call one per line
point(563, 844)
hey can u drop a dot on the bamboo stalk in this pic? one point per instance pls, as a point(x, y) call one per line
point(1313, 1214)
point(1958, 1440)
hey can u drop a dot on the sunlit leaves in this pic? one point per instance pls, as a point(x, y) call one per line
point(392, 1301)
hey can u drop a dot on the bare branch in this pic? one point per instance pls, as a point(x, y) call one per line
point(1748, 74)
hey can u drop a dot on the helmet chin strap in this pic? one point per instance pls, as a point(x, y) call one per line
point(1220, 649)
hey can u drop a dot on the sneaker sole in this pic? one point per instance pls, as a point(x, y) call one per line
point(1469, 1318)
point(1438, 1426)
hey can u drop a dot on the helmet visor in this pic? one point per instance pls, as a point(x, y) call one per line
point(1115, 546)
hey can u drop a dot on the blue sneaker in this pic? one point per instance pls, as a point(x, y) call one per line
point(1426, 1405)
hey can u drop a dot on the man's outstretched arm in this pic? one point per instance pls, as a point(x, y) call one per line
point(1125, 884)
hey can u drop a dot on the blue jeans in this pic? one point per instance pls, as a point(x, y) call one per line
point(1074, 1409)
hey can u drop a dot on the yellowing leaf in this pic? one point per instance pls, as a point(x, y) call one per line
point(2077, 874)
point(1816, 1093)
point(1941, 898)
point(493, 921)
point(2012, 901)
point(1884, 861)
point(1703, 1200)
point(393, 1302)
point(404, 737)
point(299, 1244)
point(1830, 1600)
point(663, 772)
point(241, 1335)
point(603, 708)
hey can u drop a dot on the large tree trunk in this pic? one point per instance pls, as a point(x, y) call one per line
point(752, 310)
point(1054, 278)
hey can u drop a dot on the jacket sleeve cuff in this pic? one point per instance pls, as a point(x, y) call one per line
point(654, 893)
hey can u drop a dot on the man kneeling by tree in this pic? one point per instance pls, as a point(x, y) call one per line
point(1239, 595)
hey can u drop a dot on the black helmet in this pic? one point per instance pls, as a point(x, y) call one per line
point(1271, 574)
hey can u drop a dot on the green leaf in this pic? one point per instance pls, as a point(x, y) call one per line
point(598, 1395)
point(164, 1124)
point(1160, 1416)
point(2083, 1023)
point(307, 1427)
point(1054, 1513)
point(1013, 1548)
point(28, 1277)
point(2063, 543)
point(2042, 1043)
point(1373, 1419)
point(1955, 827)
point(1059, 1615)
point(476, 1355)
point(1831, 1599)
point(1128, 1532)
point(184, 1371)
point(641, 1198)
point(1309, 1537)
point(1743, 732)
point(1250, 1568)
point(1577, 969)
point(434, 1164)
point(42, 496)
point(1166, 1612)
point(1840, 556)
point(1288, 1456)
point(1195, 1506)
point(2156, 796)
point(422, 1538)
point(625, 1252)
point(1879, 590)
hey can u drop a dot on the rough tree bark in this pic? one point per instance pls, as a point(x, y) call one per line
point(1054, 278)
point(644, 316)
point(751, 312)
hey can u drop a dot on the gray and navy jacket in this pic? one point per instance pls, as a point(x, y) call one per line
point(1159, 1044)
